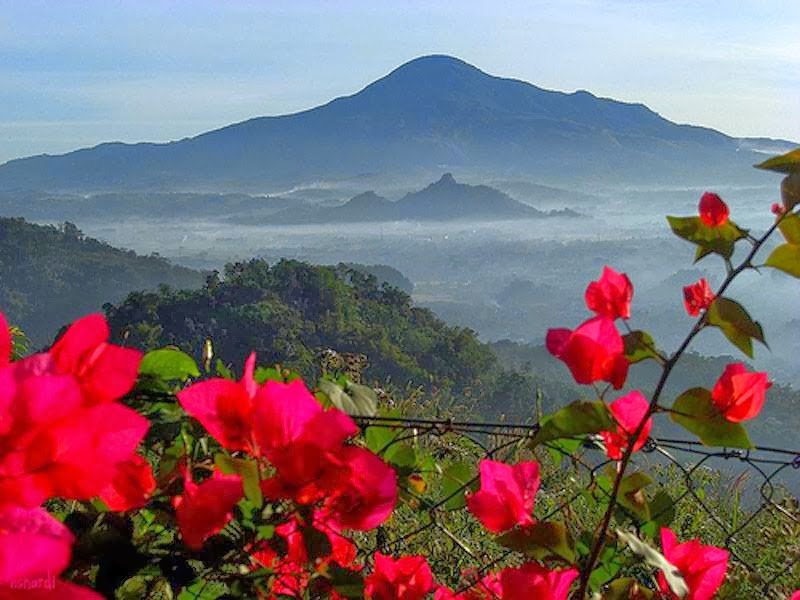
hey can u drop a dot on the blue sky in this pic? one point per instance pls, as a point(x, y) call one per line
point(74, 74)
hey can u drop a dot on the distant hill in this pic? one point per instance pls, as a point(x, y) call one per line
point(52, 275)
point(430, 114)
point(444, 200)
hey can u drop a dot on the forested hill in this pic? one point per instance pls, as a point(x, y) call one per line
point(51, 275)
point(291, 312)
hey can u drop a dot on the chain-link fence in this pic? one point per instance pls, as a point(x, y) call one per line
point(742, 500)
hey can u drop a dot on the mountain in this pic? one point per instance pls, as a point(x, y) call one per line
point(444, 200)
point(431, 113)
point(52, 275)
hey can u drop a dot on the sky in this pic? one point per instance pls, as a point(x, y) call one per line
point(74, 74)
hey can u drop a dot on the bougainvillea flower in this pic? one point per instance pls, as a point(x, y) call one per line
point(628, 412)
point(6, 343)
point(225, 407)
point(739, 393)
point(34, 549)
point(132, 485)
point(593, 352)
point(106, 372)
point(302, 440)
point(778, 210)
point(74, 456)
point(713, 210)
point(703, 567)
point(369, 494)
point(205, 508)
point(611, 295)
point(697, 297)
point(506, 496)
point(796, 595)
point(532, 580)
point(405, 578)
point(290, 563)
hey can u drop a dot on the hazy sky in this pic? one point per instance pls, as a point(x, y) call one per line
point(74, 74)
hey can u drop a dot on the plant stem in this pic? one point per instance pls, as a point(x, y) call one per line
point(665, 373)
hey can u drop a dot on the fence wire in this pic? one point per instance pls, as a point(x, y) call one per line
point(742, 500)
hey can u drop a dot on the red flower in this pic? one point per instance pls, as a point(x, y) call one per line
point(532, 580)
point(368, 496)
point(303, 441)
point(739, 393)
point(407, 578)
point(796, 595)
point(34, 550)
point(778, 210)
point(703, 567)
point(131, 487)
point(713, 211)
point(225, 407)
point(290, 568)
point(105, 372)
point(628, 411)
point(204, 509)
point(51, 445)
point(593, 352)
point(6, 343)
point(698, 297)
point(506, 496)
point(610, 296)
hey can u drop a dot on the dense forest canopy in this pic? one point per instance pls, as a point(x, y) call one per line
point(51, 275)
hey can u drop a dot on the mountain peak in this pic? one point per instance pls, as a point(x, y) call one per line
point(446, 179)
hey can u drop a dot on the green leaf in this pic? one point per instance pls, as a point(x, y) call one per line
point(786, 258)
point(639, 346)
point(456, 479)
point(627, 588)
point(785, 163)
point(360, 403)
point(168, 364)
point(695, 411)
point(631, 494)
point(735, 323)
point(202, 590)
point(720, 240)
point(790, 228)
point(655, 559)
point(578, 418)
point(247, 470)
point(541, 540)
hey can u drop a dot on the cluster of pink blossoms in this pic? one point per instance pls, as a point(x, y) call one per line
point(64, 435)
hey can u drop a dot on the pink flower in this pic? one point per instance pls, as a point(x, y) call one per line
point(697, 297)
point(713, 211)
point(6, 343)
point(628, 412)
point(406, 578)
point(778, 210)
point(34, 549)
point(739, 394)
point(536, 582)
point(703, 567)
point(303, 441)
point(225, 407)
point(204, 509)
point(593, 352)
point(368, 495)
point(610, 296)
point(131, 486)
point(506, 496)
point(105, 372)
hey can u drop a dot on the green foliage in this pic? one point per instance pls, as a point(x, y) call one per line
point(719, 240)
point(52, 275)
point(733, 320)
point(695, 410)
point(639, 346)
point(578, 418)
point(785, 163)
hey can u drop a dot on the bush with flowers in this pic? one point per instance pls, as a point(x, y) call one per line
point(135, 476)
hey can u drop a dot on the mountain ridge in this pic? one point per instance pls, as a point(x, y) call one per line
point(433, 113)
